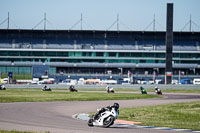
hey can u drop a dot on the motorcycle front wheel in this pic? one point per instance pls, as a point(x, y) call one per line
point(108, 121)
point(90, 122)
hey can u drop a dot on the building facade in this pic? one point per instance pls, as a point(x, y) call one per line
point(97, 52)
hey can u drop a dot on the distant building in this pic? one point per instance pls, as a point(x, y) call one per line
point(97, 52)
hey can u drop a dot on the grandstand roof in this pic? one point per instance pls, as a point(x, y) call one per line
point(96, 33)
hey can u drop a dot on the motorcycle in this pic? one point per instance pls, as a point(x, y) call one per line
point(158, 91)
point(105, 119)
point(72, 89)
point(2, 87)
point(143, 90)
point(110, 89)
point(46, 88)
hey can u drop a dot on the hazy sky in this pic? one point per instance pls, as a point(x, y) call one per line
point(99, 14)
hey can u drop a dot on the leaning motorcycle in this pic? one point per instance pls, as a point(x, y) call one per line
point(46, 88)
point(2, 87)
point(143, 90)
point(158, 91)
point(110, 89)
point(72, 89)
point(106, 118)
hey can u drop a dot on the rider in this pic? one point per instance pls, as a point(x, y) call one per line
point(115, 105)
point(107, 88)
point(71, 87)
point(141, 88)
point(156, 88)
point(45, 87)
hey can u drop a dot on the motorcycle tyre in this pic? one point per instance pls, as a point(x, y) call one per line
point(90, 123)
point(47, 90)
point(112, 91)
point(110, 122)
point(159, 93)
point(144, 92)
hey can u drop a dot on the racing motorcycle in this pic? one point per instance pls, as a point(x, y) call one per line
point(110, 89)
point(46, 88)
point(2, 87)
point(143, 90)
point(158, 91)
point(105, 118)
point(72, 89)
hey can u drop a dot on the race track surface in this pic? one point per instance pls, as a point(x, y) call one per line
point(56, 117)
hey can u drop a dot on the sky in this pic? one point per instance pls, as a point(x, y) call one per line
point(134, 15)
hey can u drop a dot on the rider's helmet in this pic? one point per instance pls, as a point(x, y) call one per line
point(156, 87)
point(116, 105)
point(141, 88)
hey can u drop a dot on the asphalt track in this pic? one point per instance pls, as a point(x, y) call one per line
point(57, 116)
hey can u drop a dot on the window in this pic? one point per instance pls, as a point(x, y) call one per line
point(112, 54)
point(99, 53)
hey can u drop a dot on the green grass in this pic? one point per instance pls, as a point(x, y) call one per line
point(182, 90)
point(177, 90)
point(116, 89)
point(37, 95)
point(180, 115)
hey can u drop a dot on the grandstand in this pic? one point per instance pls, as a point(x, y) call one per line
point(88, 52)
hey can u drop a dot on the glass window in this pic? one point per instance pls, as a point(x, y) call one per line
point(71, 53)
point(160, 55)
point(65, 54)
point(52, 70)
point(50, 53)
point(37, 53)
point(87, 54)
point(150, 61)
point(142, 61)
point(136, 54)
point(4, 53)
point(13, 53)
point(105, 54)
point(148, 55)
point(99, 53)
point(112, 54)
point(3, 69)
point(78, 54)
point(25, 53)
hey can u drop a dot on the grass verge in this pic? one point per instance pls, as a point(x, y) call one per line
point(37, 95)
point(179, 115)
point(181, 90)
point(116, 89)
